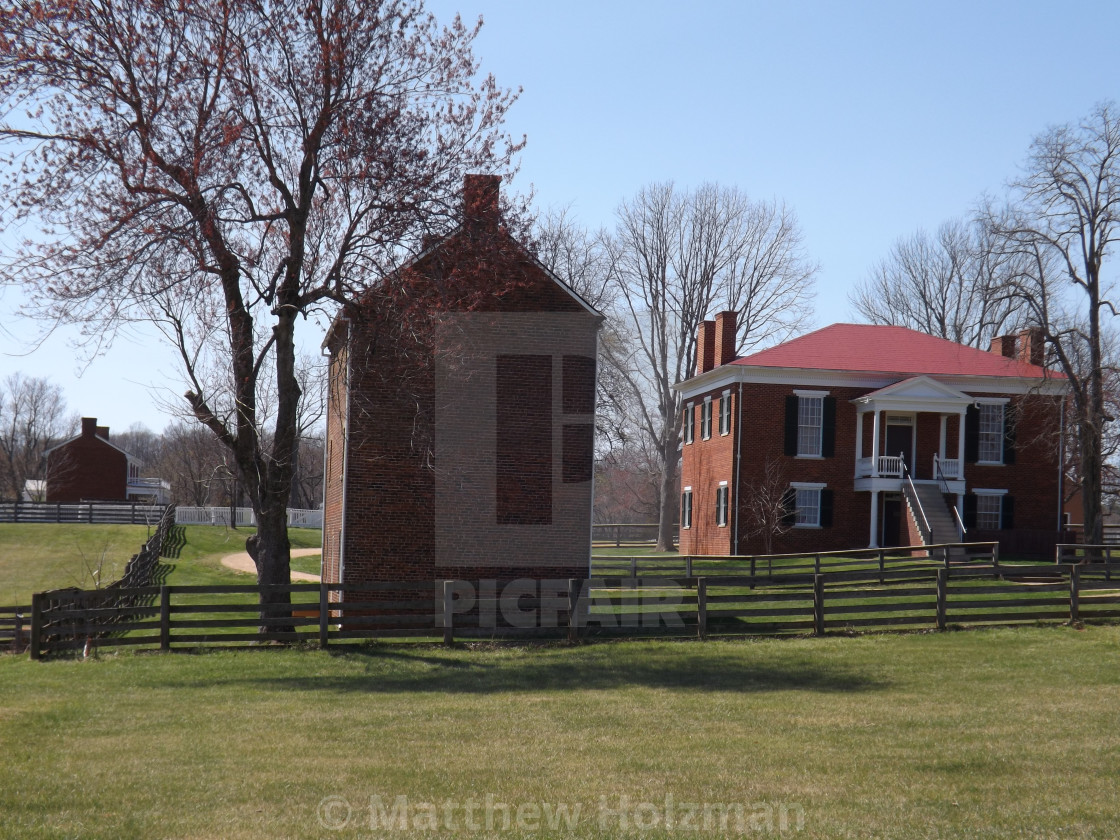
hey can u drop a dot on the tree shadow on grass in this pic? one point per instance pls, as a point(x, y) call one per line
point(593, 668)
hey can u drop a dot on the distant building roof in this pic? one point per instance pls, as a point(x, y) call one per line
point(874, 348)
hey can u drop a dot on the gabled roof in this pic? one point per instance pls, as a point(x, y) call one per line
point(874, 348)
point(131, 458)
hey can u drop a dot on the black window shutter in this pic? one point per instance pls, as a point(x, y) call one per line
point(789, 506)
point(1007, 513)
point(1008, 435)
point(791, 424)
point(826, 508)
point(828, 428)
point(970, 510)
point(972, 434)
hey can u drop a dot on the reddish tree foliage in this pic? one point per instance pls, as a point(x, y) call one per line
point(221, 167)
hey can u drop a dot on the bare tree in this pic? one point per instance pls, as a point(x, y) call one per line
point(222, 168)
point(32, 419)
point(676, 257)
point(582, 259)
point(1060, 228)
point(951, 285)
point(767, 505)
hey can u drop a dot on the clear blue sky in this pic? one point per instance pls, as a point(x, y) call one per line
point(871, 120)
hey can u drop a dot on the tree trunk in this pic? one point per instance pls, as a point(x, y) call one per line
point(667, 497)
point(271, 551)
point(1090, 441)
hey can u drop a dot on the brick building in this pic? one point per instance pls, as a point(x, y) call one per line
point(90, 467)
point(834, 423)
point(467, 453)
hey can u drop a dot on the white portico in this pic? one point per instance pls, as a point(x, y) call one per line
point(895, 450)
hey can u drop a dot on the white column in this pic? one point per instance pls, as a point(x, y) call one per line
point(874, 519)
point(960, 444)
point(875, 445)
point(944, 428)
point(859, 439)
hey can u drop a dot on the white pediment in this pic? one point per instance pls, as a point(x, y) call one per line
point(918, 393)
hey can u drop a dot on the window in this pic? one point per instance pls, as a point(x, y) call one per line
point(706, 419)
point(725, 413)
point(988, 510)
point(809, 505)
point(686, 508)
point(689, 423)
point(991, 433)
point(721, 504)
point(808, 508)
point(810, 413)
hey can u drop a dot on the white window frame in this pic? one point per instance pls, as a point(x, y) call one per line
point(1000, 434)
point(706, 419)
point(805, 446)
point(987, 495)
point(723, 504)
point(805, 490)
point(689, 422)
point(686, 507)
point(725, 413)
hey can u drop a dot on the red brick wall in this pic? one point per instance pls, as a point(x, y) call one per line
point(1033, 479)
point(392, 474)
point(87, 468)
point(704, 464)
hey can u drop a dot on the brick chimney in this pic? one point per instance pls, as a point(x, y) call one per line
point(705, 347)
point(103, 432)
point(1032, 346)
point(725, 337)
point(480, 200)
point(1003, 345)
point(89, 426)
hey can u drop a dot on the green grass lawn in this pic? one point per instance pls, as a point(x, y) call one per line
point(984, 734)
point(36, 557)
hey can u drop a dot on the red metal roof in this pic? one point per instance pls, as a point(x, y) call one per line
point(888, 349)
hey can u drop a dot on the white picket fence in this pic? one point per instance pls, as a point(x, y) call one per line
point(244, 518)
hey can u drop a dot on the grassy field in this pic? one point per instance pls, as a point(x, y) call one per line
point(984, 734)
point(38, 557)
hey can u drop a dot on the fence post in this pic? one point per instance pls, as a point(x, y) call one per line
point(448, 634)
point(1074, 593)
point(702, 608)
point(165, 617)
point(617, 536)
point(882, 567)
point(324, 614)
point(688, 566)
point(36, 624)
point(15, 510)
point(816, 564)
point(633, 567)
point(942, 592)
point(752, 571)
point(818, 604)
point(573, 609)
point(17, 642)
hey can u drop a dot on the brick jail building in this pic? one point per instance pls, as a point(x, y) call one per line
point(460, 441)
point(835, 422)
point(90, 467)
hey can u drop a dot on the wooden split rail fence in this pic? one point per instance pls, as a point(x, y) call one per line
point(187, 617)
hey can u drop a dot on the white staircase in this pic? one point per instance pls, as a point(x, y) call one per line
point(942, 523)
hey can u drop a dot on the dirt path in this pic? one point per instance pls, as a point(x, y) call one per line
point(242, 562)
